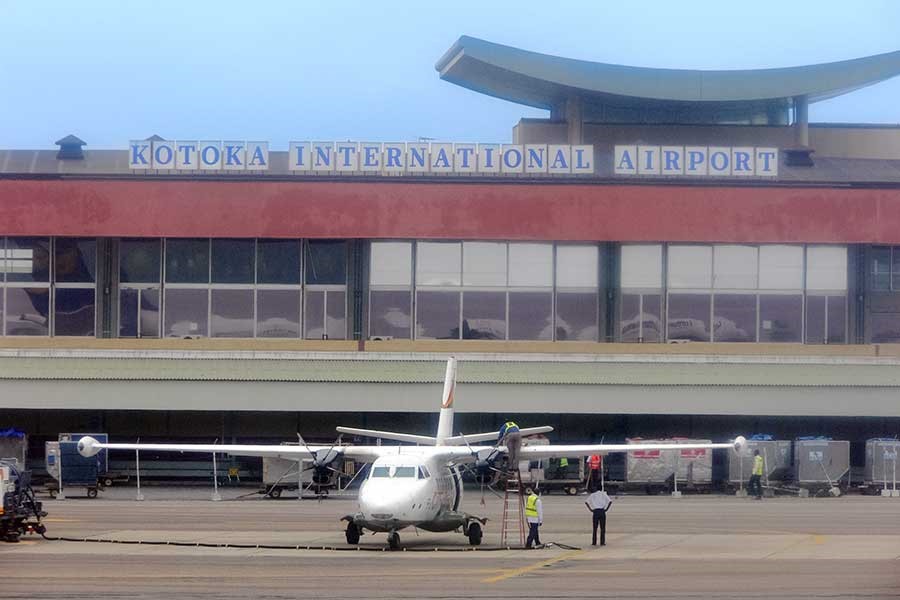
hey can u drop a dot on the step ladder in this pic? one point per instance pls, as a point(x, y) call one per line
point(513, 519)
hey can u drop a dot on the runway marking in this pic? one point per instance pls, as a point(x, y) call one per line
point(57, 520)
point(533, 567)
point(819, 539)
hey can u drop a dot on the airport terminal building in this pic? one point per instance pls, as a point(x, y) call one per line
point(668, 253)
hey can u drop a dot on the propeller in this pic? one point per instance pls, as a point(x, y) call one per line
point(483, 469)
point(322, 461)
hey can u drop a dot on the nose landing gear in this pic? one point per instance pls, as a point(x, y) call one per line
point(352, 533)
point(393, 540)
point(475, 534)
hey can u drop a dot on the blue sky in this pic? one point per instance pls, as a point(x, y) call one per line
point(110, 71)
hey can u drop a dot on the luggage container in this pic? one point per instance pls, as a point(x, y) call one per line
point(280, 474)
point(881, 465)
point(821, 461)
point(657, 468)
point(777, 461)
point(69, 469)
point(14, 447)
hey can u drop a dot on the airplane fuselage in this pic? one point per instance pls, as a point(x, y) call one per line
point(406, 490)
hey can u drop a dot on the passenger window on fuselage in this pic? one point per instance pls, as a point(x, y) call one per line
point(405, 472)
point(381, 472)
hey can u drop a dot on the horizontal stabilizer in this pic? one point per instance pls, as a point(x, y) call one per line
point(424, 440)
point(475, 438)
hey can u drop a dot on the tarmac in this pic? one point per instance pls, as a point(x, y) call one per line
point(657, 547)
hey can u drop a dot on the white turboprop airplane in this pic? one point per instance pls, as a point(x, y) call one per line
point(414, 486)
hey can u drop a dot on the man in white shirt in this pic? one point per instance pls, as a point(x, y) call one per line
point(598, 503)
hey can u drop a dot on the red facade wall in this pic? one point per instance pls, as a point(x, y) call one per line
point(453, 210)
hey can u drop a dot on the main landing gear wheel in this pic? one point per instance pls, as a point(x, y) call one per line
point(352, 533)
point(475, 534)
point(394, 540)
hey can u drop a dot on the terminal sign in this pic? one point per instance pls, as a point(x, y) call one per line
point(375, 158)
point(704, 161)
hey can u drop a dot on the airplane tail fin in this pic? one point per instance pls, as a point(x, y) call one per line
point(445, 421)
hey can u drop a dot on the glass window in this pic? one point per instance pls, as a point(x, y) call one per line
point(629, 317)
point(815, 319)
point(27, 311)
point(336, 318)
point(576, 266)
point(314, 315)
point(326, 262)
point(651, 318)
point(139, 261)
point(187, 261)
point(837, 320)
point(530, 316)
point(734, 318)
point(641, 266)
point(186, 312)
point(437, 315)
point(826, 268)
point(423, 472)
point(391, 264)
point(484, 316)
point(531, 265)
point(74, 312)
point(881, 268)
point(780, 318)
point(885, 328)
point(690, 267)
point(405, 472)
point(381, 471)
point(278, 261)
point(28, 259)
point(576, 316)
point(438, 263)
point(232, 261)
point(780, 267)
point(76, 260)
point(735, 268)
point(390, 314)
point(278, 313)
point(231, 313)
point(484, 264)
point(688, 317)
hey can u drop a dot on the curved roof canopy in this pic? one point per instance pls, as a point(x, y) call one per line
point(545, 81)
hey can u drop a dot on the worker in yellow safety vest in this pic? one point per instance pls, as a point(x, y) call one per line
point(508, 427)
point(562, 468)
point(755, 484)
point(534, 514)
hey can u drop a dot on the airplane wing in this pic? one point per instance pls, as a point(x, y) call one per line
point(474, 438)
point(559, 451)
point(89, 446)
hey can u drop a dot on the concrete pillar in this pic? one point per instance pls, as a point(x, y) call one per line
point(575, 119)
point(801, 121)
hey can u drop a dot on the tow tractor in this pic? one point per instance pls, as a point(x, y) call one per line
point(20, 512)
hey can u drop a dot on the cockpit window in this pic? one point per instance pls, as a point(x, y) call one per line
point(405, 472)
point(423, 473)
point(381, 472)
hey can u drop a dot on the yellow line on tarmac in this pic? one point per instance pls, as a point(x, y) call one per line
point(533, 567)
point(53, 520)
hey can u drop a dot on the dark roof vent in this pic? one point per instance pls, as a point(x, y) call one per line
point(798, 157)
point(70, 148)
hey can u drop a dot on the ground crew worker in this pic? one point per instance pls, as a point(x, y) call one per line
point(534, 514)
point(595, 461)
point(598, 503)
point(562, 468)
point(508, 427)
point(756, 476)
